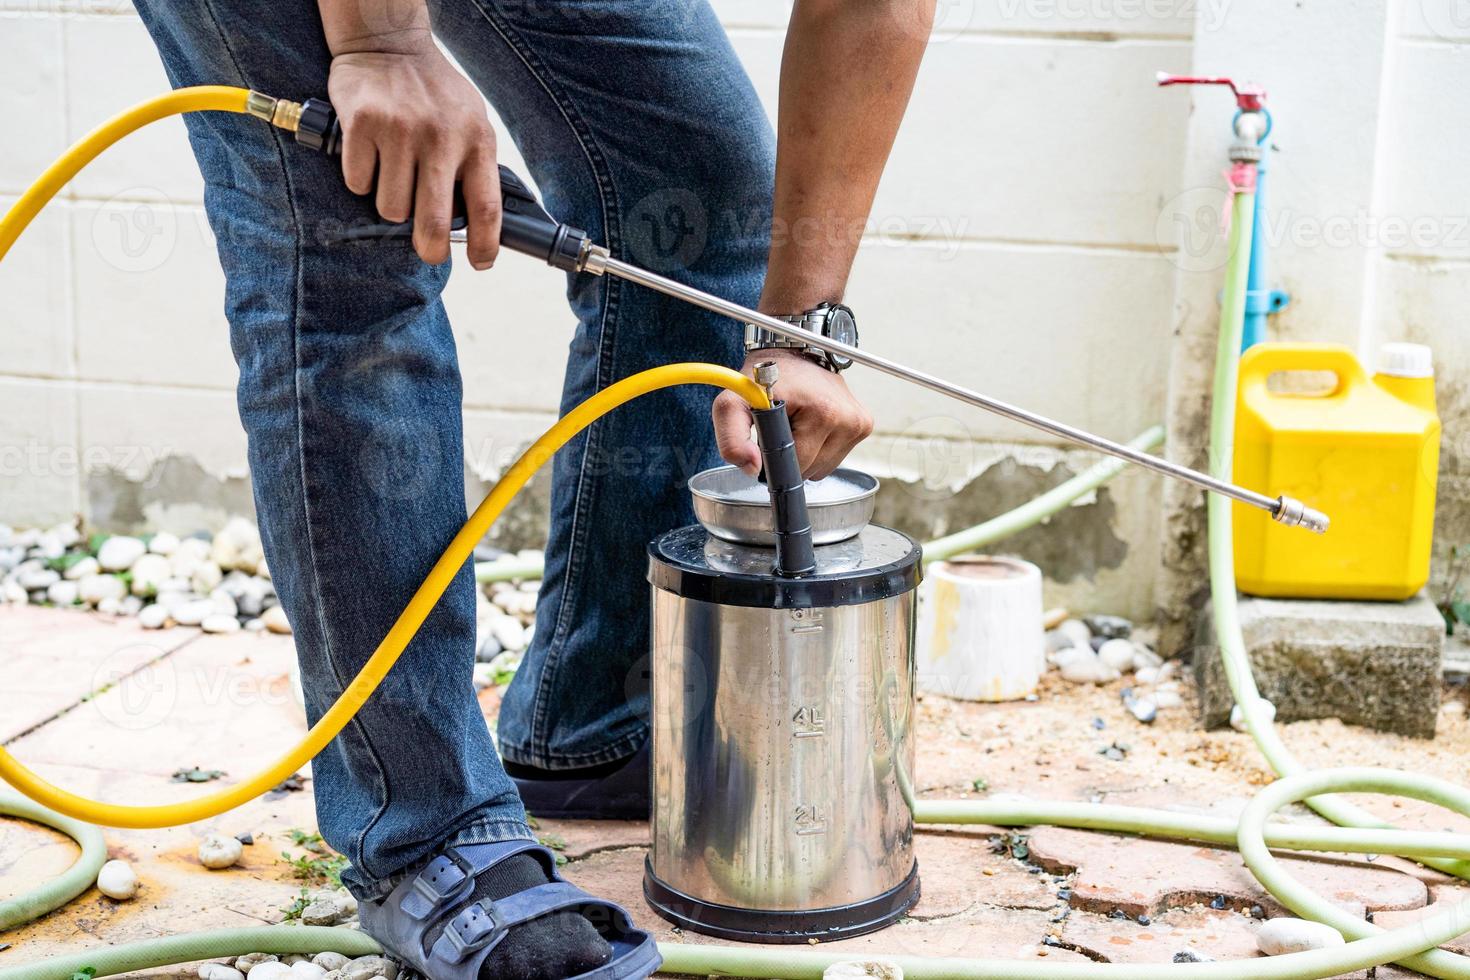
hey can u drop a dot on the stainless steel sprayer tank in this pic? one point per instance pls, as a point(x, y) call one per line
point(782, 710)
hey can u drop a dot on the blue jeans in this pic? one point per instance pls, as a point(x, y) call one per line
point(640, 126)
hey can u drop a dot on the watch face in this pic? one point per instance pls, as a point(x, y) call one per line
point(842, 327)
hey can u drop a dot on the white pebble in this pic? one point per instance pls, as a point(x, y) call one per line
point(164, 543)
point(117, 880)
point(1237, 714)
point(307, 971)
point(36, 577)
point(218, 971)
point(1070, 655)
point(275, 620)
point(149, 573)
point(224, 604)
point(87, 566)
point(190, 552)
point(62, 593)
point(1118, 654)
point(95, 588)
point(152, 617)
point(205, 577)
point(237, 545)
point(367, 967)
point(1089, 671)
point(1077, 630)
point(249, 961)
point(218, 851)
point(111, 606)
point(193, 612)
point(330, 961)
point(117, 554)
point(274, 970)
point(329, 908)
point(1167, 699)
point(1287, 935)
point(1146, 675)
point(509, 633)
point(66, 532)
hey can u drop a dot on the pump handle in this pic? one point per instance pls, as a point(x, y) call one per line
point(525, 225)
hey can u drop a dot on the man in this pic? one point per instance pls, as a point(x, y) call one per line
point(639, 125)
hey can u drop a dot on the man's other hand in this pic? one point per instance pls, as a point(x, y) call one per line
point(826, 419)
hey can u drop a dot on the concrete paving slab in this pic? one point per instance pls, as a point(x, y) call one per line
point(52, 658)
point(983, 931)
point(222, 703)
point(1148, 877)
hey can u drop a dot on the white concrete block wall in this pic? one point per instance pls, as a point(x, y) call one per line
point(1422, 239)
point(1016, 246)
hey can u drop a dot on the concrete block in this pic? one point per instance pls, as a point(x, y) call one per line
point(1375, 664)
point(35, 281)
point(154, 164)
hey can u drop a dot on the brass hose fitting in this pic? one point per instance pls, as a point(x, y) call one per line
point(281, 113)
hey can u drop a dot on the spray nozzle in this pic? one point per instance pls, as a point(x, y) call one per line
point(1294, 513)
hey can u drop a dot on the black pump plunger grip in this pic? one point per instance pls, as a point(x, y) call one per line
point(525, 226)
point(794, 553)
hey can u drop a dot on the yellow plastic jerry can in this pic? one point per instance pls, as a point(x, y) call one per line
point(1364, 450)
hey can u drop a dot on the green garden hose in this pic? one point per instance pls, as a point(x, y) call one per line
point(191, 947)
point(76, 879)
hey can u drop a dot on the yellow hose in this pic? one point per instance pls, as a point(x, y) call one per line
point(439, 577)
point(224, 98)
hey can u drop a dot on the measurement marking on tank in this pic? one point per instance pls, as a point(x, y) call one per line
point(806, 621)
point(810, 819)
point(808, 722)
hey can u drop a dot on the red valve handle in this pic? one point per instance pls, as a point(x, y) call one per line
point(1249, 98)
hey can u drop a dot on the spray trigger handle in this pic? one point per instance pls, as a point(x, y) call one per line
point(525, 226)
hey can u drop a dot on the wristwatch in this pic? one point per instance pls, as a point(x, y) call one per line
point(831, 320)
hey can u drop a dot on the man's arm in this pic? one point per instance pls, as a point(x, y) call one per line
point(412, 125)
point(846, 76)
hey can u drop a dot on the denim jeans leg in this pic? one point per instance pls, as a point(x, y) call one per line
point(350, 395)
point(640, 126)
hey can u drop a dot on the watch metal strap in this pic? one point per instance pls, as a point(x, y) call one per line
point(758, 337)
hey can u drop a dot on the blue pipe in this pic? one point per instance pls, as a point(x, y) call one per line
point(1260, 299)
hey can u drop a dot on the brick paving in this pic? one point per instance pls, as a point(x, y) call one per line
point(110, 710)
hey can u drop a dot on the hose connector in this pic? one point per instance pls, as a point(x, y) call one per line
point(1294, 513)
point(766, 375)
point(281, 113)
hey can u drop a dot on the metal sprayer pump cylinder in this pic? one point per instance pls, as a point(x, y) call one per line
point(782, 720)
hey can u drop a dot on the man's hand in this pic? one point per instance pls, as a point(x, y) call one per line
point(414, 125)
point(826, 419)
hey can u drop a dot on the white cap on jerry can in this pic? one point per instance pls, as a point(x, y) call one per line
point(1406, 361)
